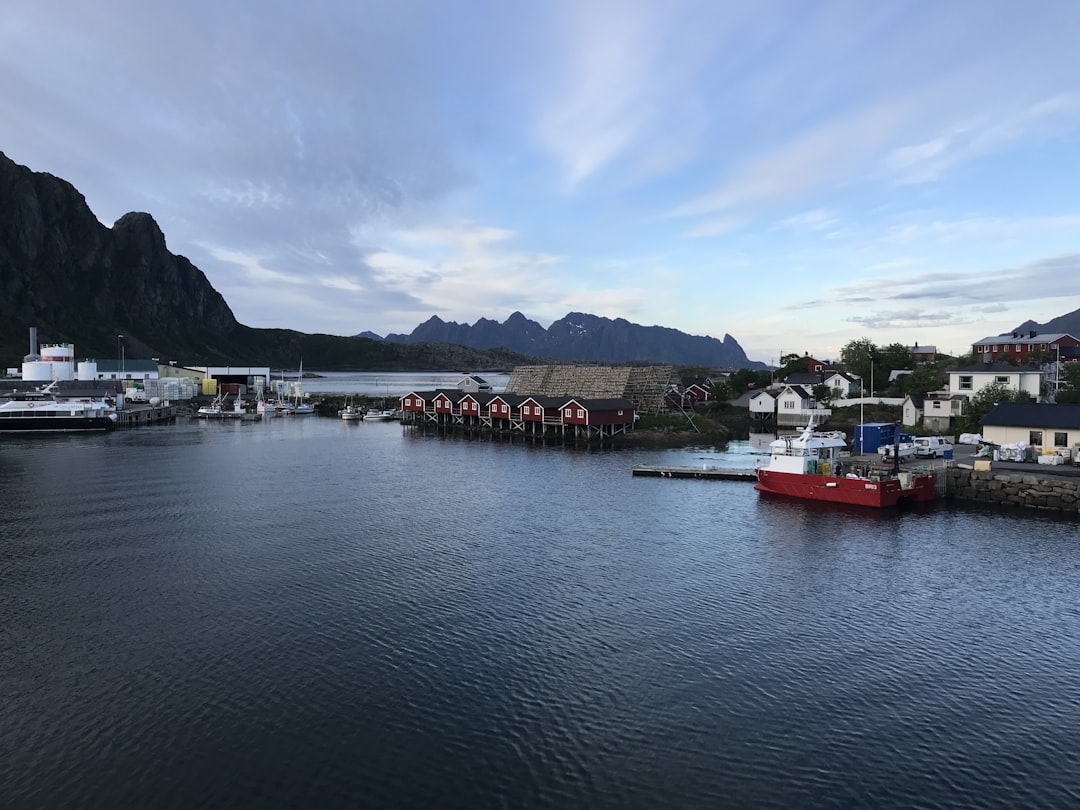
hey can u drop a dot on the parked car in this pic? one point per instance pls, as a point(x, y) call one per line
point(932, 447)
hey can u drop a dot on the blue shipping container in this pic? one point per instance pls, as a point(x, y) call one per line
point(872, 435)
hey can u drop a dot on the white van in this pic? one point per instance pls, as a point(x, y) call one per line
point(931, 447)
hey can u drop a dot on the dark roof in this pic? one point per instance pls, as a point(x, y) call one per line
point(918, 400)
point(1033, 414)
point(994, 368)
point(804, 378)
point(802, 392)
point(545, 401)
point(605, 404)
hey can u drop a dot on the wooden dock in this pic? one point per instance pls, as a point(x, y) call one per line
point(715, 473)
point(135, 415)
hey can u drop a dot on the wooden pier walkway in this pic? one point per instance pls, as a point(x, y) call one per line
point(135, 415)
point(716, 473)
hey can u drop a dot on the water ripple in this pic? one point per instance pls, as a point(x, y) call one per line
point(294, 613)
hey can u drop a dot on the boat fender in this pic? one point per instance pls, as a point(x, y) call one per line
point(29, 404)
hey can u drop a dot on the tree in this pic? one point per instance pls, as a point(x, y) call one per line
point(986, 398)
point(823, 394)
point(922, 380)
point(1069, 390)
point(893, 357)
point(859, 357)
point(794, 365)
point(744, 379)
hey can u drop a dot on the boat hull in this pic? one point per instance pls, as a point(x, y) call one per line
point(55, 424)
point(883, 493)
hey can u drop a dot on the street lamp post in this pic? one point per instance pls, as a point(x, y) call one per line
point(119, 357)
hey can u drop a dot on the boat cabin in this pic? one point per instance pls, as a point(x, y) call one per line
point(810, 453)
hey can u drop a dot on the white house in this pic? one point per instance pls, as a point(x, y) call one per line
point(972, 379)
point(843, 385)
point(1041, 426)
point(795, 405)
point(912, 409)
point(762, 403)
point(940, 408)
point(473, 384)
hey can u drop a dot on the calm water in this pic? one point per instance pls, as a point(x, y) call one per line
point(310, 613)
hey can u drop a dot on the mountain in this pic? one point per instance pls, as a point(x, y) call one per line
point(580, 337)
point(81, 282)
point(1068, 323)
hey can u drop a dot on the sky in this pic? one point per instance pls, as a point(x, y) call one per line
point(795, 174)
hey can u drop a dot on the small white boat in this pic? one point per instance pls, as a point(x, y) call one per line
point(217, 409)
point(350, 413)
point(379, 415)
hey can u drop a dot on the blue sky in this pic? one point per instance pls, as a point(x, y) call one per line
point(795, 174)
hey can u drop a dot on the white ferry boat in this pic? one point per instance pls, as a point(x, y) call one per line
point(43, 410)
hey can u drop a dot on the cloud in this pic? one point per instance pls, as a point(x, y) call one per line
point(964, 142)
point(1037, 280)
point(829, 154)
point(451, 270)
point(982, 228)
point(254, 266)
point(912, 319)
point(818, 219)
point(342, 283)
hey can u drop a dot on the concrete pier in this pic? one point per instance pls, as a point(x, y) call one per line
point(716, 473)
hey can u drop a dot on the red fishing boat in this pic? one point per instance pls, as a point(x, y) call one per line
point(817, 466)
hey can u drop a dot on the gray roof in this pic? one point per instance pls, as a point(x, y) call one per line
point(1020, 337)
point(804, 378)
point(130, 365)
point(1033, 415)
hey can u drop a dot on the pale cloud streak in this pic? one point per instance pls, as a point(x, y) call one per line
point(1037, 280)
point(964, 142)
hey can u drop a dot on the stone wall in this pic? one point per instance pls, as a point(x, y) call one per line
point(1011, 488)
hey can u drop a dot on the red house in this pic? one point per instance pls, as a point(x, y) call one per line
point(1023, 346)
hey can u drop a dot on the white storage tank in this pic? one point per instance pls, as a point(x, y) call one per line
point(37, 371)
point(88, 370)
point(62, 358)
